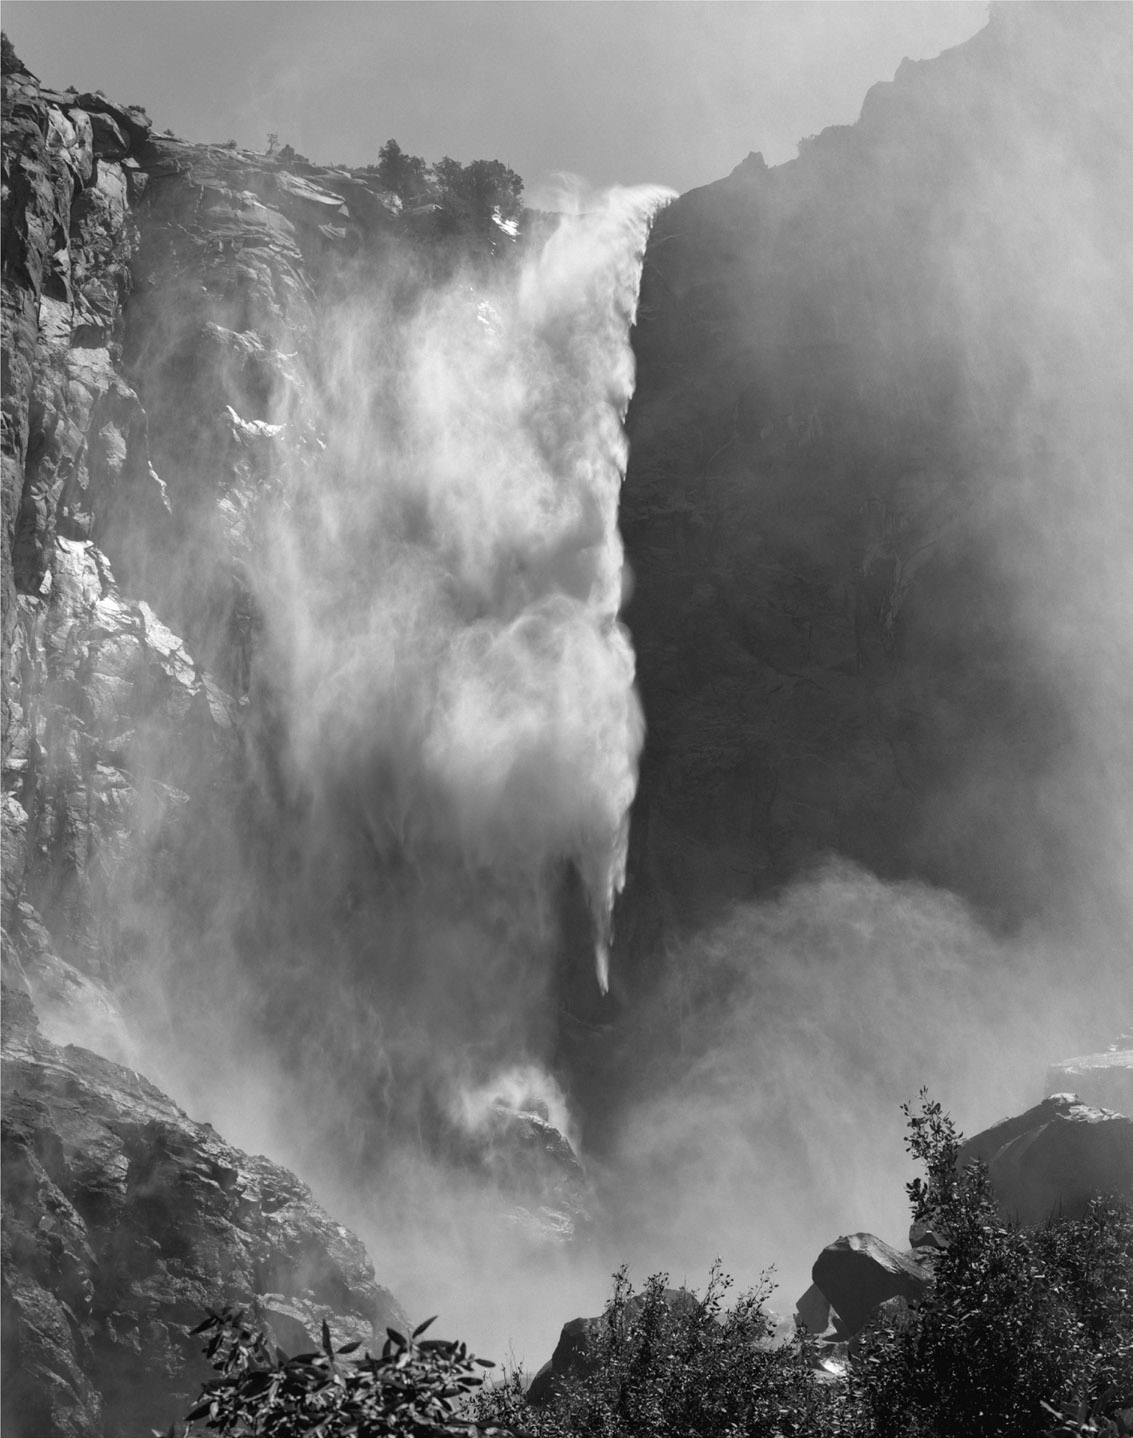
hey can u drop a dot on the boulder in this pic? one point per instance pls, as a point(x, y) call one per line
point(855, 1275)
point(814, 1313)
point(110, 141)
point(1055, 1158)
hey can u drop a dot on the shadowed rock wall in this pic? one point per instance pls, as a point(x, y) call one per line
point(875, 386)
point(123, 1219)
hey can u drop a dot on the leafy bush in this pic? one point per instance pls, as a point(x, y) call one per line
point(407, 176)
point(1026, 1333)
point(416, 1387)
point(476, 191)
point(675, 1365)
point(1018, 1319)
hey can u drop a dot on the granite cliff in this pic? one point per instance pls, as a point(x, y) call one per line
point(869, 381)
point(876, 509)
point(122, 1217)
point(881, 409)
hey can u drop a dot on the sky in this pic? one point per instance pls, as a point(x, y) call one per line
point(672, 92)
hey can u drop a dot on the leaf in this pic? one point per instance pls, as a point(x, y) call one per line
point(421, 1327)
point(397, 1338)
point(328, 1348)
point(350, 1347)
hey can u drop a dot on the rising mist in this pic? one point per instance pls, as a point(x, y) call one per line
point(878, 511)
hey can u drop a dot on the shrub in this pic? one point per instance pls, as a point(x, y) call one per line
point(1017, 1320)
point(415, 1387)
point(406, 175)
point(1026, 1333)
point(675, 1365)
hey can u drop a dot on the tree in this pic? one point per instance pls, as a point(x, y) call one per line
point(406, 175)
point(1017, 1320)
point(416, 1387)
point(671, 1364)
point(476, 192)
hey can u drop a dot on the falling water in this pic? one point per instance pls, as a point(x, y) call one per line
point(446, 612)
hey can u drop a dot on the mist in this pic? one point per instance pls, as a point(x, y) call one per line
point(385, 943)
point(442, 731)
point(777, 1038)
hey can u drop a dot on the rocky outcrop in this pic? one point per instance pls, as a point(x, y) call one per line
point(123, 1222)
point(1053, 1159)
point(156, 300)
point(853, 1277)
point(524, 1155)
point(1104, 1079)
point(846, 414)
point(123, 729)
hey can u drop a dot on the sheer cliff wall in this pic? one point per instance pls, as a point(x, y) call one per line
point(878, 418)
point(123, 1219)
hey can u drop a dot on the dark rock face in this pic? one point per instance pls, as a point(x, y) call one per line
point(833, 367)
point(123, 1221)
point(1055, 1158)
point(853, 1277)
point(852, 417)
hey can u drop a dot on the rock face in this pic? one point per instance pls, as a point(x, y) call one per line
point(123, 1219)
point(833, 368)
point(839, 439)
point(1055, 1158)
point(123, 1222)
point(853, 1277)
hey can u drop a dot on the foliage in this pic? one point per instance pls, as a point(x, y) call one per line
point(1026, 1333)
point(468, 198)
point(405, 175)
point(674, 1365)
point(474, 192)
point(416, 1387)
point(1018, 1319)
point(10, 62)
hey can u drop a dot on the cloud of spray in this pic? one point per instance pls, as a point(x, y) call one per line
point(446, 723)
point(801, 1023)
point(447, 614)
point(449, 719)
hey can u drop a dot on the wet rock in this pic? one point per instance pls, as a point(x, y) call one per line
point(123, 1221)
point(551, 1198)
point(824, 655)
point(1104, 1079)
point(1056, 1157)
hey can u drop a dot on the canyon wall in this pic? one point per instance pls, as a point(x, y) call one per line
point(313, 801)
point(123, 1219)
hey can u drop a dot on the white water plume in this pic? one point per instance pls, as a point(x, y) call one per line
point(445, 607)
